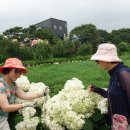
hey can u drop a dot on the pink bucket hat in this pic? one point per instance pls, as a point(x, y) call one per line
point(13, 63)
point(106, 52)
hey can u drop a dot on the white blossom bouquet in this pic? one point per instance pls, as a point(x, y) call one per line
point(29, 122)
point(23, 83)
point(68, 109)
point(38, 88)
point(71, 107)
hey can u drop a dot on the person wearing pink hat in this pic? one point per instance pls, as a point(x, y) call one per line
point(118, 92)
point(11, 70)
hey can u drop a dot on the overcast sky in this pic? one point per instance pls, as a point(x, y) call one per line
point(105, 14)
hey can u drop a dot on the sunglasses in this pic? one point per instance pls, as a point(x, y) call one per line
point(18, 71)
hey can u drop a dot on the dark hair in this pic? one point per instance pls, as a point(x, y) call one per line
point(6, 71)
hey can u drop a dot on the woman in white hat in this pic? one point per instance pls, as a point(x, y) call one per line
point(11, 70)
point(119, 87)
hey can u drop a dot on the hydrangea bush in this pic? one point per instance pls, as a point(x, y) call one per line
point(73, 108)
point(30, 121)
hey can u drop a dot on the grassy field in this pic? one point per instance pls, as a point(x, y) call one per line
point(55, 76)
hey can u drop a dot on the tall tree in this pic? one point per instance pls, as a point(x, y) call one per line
point(121, 35)
point(86, 34)
point(104, 36)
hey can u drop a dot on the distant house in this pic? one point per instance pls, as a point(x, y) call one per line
point(57, 27)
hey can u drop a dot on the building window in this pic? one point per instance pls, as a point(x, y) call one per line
point(60, 28)
point(55, 27)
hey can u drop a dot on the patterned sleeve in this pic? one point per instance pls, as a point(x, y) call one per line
point(125, 81)
point(2, 88)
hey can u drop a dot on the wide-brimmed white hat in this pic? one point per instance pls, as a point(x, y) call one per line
point(106, 52)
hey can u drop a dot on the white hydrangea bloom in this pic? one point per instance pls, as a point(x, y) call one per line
point(38, 88)
point(23, 83)
point(94, 97)
point(51, 124)
point(29, 121)
point(21, 126)
point(73, 121)
point(103, 106)
point(29, 124)
point(74, 84)
point(69, 108)
point(27, 112)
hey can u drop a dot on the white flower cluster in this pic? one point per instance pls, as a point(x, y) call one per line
point(29, 120)
point(103, 106)
point(68, 109)
point(28, 124)
point(27, 112)
point(23, 83)
point(38, 88)
point(71, 106)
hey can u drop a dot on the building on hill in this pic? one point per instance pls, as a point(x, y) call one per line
point(56, 26)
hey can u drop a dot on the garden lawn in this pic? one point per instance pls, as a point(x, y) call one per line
point(56, 75)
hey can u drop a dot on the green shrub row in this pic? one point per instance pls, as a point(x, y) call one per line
point(55, 60)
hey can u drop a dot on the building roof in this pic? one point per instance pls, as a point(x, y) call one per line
point(50, 19)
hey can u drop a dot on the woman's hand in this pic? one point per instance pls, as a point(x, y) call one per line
point(91, 88)
point(33, 104)
point(44, 92)
point(97, 90)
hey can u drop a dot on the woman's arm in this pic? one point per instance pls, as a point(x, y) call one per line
point(25, 96)
point(125, 82)
point(6, 107)
point(28, 96)
point(100, 91)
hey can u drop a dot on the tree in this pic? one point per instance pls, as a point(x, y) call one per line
point(1, 37)
point(12, 49)
point(58, 50)
point(69, 48)
point(85, 49)
point(42, 51)
point(122, 47)
point(121, 35)
point(26, 53)
point(86, 33)
point(57, 40)
point(13, 31)
point(104, 36)
point(44, 34)
point(31, 31)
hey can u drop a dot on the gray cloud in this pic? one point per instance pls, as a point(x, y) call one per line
point(105, 14)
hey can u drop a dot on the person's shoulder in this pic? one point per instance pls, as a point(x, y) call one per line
point(124, 72)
